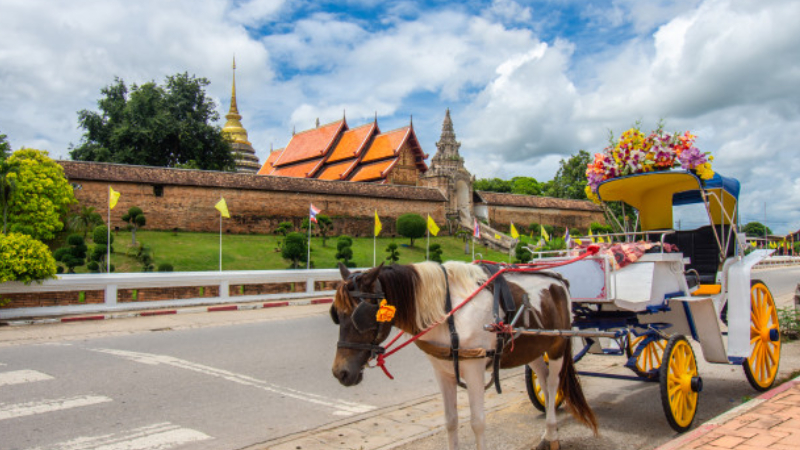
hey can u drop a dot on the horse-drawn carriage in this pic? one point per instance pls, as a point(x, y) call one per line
point(635, 298)
point(655, 287)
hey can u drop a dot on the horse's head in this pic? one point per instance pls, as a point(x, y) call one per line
point(364, 320)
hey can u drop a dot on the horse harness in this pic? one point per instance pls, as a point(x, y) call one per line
point(364, 318)
point(503, 300)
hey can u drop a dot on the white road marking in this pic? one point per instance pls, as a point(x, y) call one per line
point(22, 376)
point(160, 436)
point(11, 411)
point(340, 407)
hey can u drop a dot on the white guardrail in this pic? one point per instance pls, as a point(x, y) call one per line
point(111, 283)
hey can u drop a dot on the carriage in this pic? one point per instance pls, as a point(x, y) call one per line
point(655, 287)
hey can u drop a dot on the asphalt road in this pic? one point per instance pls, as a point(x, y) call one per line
point(230, 380)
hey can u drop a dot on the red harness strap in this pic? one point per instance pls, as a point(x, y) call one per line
point(523, 268)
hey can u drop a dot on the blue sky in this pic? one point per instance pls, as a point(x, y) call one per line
point(528, 82)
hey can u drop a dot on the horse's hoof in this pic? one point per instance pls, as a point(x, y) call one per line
point(548, 445)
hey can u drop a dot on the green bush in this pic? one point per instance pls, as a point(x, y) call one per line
point(435, 252)
point(24, 259)
point(522, 254)
point(344, 253)
point(74, 254)
point(394, 255)
point(412, 226)
point(295, 249)
point(165, 267)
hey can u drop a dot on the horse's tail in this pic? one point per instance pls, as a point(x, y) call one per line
point(570, 387)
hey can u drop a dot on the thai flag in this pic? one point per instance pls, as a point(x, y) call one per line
point(312, 214)
point(476, 229)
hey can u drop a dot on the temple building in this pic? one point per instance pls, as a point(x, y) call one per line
point(337, 152)
point(243, 151)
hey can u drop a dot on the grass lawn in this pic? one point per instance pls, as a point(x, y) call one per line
point(200, 251)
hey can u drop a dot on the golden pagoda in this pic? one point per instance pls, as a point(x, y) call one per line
point(243, 152)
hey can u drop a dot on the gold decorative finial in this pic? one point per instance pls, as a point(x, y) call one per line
point(233, 127)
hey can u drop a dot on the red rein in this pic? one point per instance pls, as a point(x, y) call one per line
point(525, 268)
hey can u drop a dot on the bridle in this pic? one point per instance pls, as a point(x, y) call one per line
point(364, 318)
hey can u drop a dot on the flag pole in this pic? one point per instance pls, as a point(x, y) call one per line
point(108, 234)
point(374, 250)
point(428, 247)
point(473, 248)
point(220, 238)
point(308, 256)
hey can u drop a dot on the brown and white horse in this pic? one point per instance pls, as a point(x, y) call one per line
point(417, 294)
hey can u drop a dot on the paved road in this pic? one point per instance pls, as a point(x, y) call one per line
point(230, 380)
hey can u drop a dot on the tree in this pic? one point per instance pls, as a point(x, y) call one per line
point(344, 250)
point(324, 225)
point(570, 180)
point(40, 197)
point(525, 186)
point(135, 219)
point(521, 253)
point(394, 255)
point(492, 185)
point(6, 184)
point(295, 249)
point(24, 259)
point(756, 229)
point(284, 228)
point(73, 254)
point(86, 219)
point(152, 125)
point(412, 226)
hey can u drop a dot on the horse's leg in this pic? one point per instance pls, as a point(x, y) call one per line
point(472, 371)
point(447, 386)
point(548, 376)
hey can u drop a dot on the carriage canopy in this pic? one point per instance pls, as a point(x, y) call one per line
point(655, 193)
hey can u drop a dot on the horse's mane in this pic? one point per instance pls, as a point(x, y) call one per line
point(463, 279)
point(418, 291)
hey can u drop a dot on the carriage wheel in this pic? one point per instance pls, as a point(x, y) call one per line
point(761, 367)
point(649, 359)
point(535, 391)
point(680, 384)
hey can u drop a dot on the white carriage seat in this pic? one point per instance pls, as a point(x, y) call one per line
point(649, 282)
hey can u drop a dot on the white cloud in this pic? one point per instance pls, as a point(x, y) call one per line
point(728, 70)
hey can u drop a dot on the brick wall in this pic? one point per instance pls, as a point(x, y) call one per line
point(36, 299)
point(502, 216)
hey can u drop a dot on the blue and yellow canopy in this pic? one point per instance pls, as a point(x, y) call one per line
point(654, 194)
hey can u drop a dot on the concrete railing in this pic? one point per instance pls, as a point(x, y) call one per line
point(775, 261)
point(111, 283)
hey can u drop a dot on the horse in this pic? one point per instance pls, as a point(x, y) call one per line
point(411, 298)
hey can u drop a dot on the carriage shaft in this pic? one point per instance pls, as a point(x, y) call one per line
point(562, 333)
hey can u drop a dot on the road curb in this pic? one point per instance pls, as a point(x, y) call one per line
point(164, 312)
point(683, 440)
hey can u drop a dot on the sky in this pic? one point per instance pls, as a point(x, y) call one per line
point(528, 83)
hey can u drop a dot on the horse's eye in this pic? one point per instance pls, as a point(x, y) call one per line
point(334, 315)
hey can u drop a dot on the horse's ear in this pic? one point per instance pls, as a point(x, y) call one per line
point(372, 275)
point(344, 271)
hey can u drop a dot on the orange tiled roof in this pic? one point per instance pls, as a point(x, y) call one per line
point(301, 170)
point(268, 164)
point(335, 171)
point(352, 142)
point(313, 143)
point(386, 144)
point(374, 171)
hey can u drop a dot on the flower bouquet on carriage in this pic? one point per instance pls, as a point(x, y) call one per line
point(634, 152)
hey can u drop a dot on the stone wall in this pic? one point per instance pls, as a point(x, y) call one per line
point(173, 198)
point(501, 217)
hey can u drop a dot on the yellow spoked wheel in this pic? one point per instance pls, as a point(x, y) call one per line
point(649, 359)
point(535, 391)
point(761, 367)
point(680, 383)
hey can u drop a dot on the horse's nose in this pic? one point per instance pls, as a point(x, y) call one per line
point(341, 375)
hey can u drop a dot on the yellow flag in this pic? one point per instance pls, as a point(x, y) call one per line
point(514, 232)
point(577, 241)
point(497, 236)
point(222, 207)
point(378, 226)
point(591, 236)
point(753, 244)
point(545, 235)
point(112, 198)
point(432, 227)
